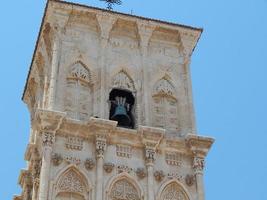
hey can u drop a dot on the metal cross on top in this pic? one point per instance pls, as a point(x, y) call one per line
point(110, 3)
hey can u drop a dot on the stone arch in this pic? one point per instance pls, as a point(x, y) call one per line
point(79, 91)
point(123, 187)
point(122, 80)
point(173, 190)
point(71, 183)
point(165, 105)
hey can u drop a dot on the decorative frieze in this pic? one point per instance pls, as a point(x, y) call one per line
point(74, 143)
point(173, 175)
point(89, 164)
point(108, 167)
point(72, 160)
point(124, 168)
point(173, 158)
point(124, 151)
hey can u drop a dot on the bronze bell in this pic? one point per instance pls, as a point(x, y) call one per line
point(120, 115)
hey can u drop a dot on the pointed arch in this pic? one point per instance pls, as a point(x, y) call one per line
point(71, 183)
point(165, 105)
point(78, 70)
point(173, 190)
point(79, 91)
point(123, 80)
point(123, 187)
point(164, 87)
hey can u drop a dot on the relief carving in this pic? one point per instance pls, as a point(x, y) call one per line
point(159, 175)
point(173, 158)
point(123, 81)
point(141, 173)
point(89, 164)
point(74, 143)
point(198, 165)
point(48, 139)
point(108, 167)
point(124, 168)
point(173, 175)
point(190, 180)
point(124, 151)
point(71, 182)
point(72, 160)
point(124, 190)
point(173, 192)
point(56, 159)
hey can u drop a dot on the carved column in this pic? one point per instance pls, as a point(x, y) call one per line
point(150, 158)
point(54, 69)
point(48, 140)
point(100, 149)
point(198, 166)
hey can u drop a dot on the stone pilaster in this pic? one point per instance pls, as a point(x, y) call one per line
point(100, 149)
point(54, 69)
point(48, 140)
point(150, 158)
point(145, 35)
point(105, 22)
point(199, 147)
point(36, 165)
point(198, 166)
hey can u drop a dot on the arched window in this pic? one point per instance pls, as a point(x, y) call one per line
point(78, 98)
point(123, 189)
point(173, 191)
point(71, 186)
point(165, 113)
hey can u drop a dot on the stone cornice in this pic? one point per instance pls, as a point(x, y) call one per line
point(199, 145)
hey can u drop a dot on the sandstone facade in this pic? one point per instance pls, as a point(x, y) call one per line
point(75, 151)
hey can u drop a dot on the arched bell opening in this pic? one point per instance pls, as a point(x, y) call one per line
point(121, 107)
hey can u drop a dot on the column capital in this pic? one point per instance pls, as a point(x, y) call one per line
point(101, 144)
point(150, 155)
point(48, 139)
point(198, 164)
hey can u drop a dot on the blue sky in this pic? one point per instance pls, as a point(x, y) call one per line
point(229, 70)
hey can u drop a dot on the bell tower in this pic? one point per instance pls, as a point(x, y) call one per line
point(111, 108)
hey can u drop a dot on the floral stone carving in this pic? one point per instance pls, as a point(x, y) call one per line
point(159, 175)
point(57, 159)
point(108, 167)
point(190, 180)
point(89, 164)
point(124, 168)
point(141, 173)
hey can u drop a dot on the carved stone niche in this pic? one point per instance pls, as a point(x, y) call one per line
point(89, 164)
point(159, 175)
point(56, 159)
point(141, 173)
point(190, 179)
point(108, 167)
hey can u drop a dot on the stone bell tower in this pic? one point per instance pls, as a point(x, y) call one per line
point(111, 109)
